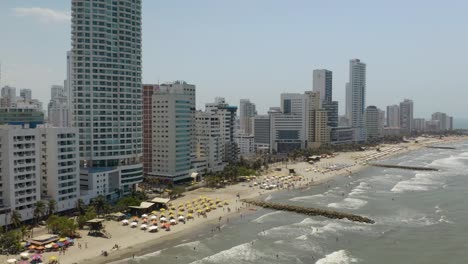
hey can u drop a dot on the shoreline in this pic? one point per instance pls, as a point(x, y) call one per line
point(134, 242)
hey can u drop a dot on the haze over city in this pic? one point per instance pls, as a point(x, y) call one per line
point(240, 49)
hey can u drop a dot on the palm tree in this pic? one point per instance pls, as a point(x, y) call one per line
point(99, 203)
point(39, 211)
point(52, 206)
point(15, 218)
point(80, 206)
point(24, 231)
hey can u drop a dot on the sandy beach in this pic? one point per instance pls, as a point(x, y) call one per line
point(133, 241)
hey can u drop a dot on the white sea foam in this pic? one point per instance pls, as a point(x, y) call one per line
point(361, 189)
point(306, 198)
point(420, 182)
point(139, 258)
point(189, 244)
point(444, 219)
point(337, 257)
point(264, 217)
point(452, 162)
point(241, 253)
point(268, 198)
point(349, 203)
point(409, 218)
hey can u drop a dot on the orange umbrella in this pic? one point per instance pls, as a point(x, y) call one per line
point(32, 247)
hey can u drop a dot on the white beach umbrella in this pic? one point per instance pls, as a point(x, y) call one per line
point(181, 217)
point(125, 222)
point(153, 217)
point(133, 224)
point(24, 255)
point(143, 226)
point(153, 228)
point(144, 215)
point(173, 221)
point(11, 261)
point(163, 219)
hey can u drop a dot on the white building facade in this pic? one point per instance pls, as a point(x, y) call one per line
point(106, 88)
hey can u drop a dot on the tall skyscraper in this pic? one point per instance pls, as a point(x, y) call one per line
point(173, 136)
point(349, 103)
point(406, 116)
point(322, 83)
point(317, 129)
point(373, 123)
point(246, 111)
point(26, 94)
point(445, 121)
point(357, 86)
point(296, 104)
point(393, 116)
point(58, 108)
point(107, 90)
point(227, 114)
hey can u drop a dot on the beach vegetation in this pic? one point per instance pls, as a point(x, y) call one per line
point(15, 218)
point(61, 225)
point(10, 242)
point(52, 207)
point(39, 210)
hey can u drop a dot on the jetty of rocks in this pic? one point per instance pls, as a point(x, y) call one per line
point(440, 147)
point(418, 168)
point(310, 211)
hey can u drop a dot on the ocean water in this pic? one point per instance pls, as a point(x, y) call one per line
point(421, 217)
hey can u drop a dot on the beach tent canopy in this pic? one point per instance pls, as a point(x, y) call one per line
point(160, 200)
point(143, 205)
point(43, 240)
point(118, 216)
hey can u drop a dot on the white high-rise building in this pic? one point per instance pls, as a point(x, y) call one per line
point(406, 116)
point(8, 98)
point(262, 132)
point(106, 89)
point(20, 172)
point(373, 123)
point(322, 83)
point(357, 86)
point(58, 109)
point(286, 132)
point(382, 121)
point(245, 143)
point(26, 94)
point(37, 164)
point(297, 104)
point(246, 113)
point(209, 140)
point(227, 115)
point(61, 166)
point(393, 116)
point(173, 131)
point(349, 103)
point(317, 129)
point(419, 124)
point(444, 120)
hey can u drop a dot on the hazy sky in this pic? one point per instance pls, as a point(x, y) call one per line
point(258, 49)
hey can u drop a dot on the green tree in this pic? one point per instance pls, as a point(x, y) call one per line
point(52, 206)
point(88, 215)
point(80, 206)
point(39, 210)
point(10, 242)
point(25, 231)
point(61, 225)
point(99, 204)
point(15, 219)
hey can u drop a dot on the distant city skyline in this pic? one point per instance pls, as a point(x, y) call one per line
point(206, 44)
